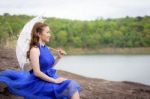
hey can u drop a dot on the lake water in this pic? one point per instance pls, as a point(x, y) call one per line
point(134, 68)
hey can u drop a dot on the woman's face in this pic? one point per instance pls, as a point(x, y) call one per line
point(45, 35)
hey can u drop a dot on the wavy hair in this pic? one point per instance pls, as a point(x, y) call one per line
point(37, 28)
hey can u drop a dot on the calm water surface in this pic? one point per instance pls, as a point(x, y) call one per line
point(110, 67)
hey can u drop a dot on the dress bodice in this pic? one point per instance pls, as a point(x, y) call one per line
point(46, 60)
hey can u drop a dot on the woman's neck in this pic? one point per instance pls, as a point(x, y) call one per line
point(41, 42)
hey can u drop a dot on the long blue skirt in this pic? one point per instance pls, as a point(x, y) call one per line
point(25, 84)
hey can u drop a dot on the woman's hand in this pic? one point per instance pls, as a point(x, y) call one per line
point(60, 53)
point(60, 79)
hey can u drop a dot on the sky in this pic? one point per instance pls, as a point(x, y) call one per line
point(77, 9)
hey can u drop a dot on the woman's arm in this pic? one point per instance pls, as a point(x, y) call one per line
point(34, 58)
point(60, 54)
point(57, 60)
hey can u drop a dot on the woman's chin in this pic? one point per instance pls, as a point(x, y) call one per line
point(47, 41)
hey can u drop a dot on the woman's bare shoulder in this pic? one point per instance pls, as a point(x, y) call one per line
point(34, 49)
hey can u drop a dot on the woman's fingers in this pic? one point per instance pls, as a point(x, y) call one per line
point(60, 79)
point(62, 51)
point(63, 78)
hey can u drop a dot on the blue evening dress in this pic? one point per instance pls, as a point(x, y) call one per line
point(27, 85)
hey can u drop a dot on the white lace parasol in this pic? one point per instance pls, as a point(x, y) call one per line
point(24, 40)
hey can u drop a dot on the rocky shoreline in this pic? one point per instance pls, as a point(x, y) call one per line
point(92, 88)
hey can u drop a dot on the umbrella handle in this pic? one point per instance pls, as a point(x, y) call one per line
point(57, 50)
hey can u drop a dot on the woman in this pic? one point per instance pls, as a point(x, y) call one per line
point(42, 81)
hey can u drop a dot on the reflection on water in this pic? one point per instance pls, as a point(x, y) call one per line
point(111, 67)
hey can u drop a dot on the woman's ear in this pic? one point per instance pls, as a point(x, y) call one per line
point(38, 34)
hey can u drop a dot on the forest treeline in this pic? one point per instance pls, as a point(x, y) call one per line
point(98, 33)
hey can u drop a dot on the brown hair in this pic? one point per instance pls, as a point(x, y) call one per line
point(37, 28)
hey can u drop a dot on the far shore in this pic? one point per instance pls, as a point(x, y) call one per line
point(127, 51)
